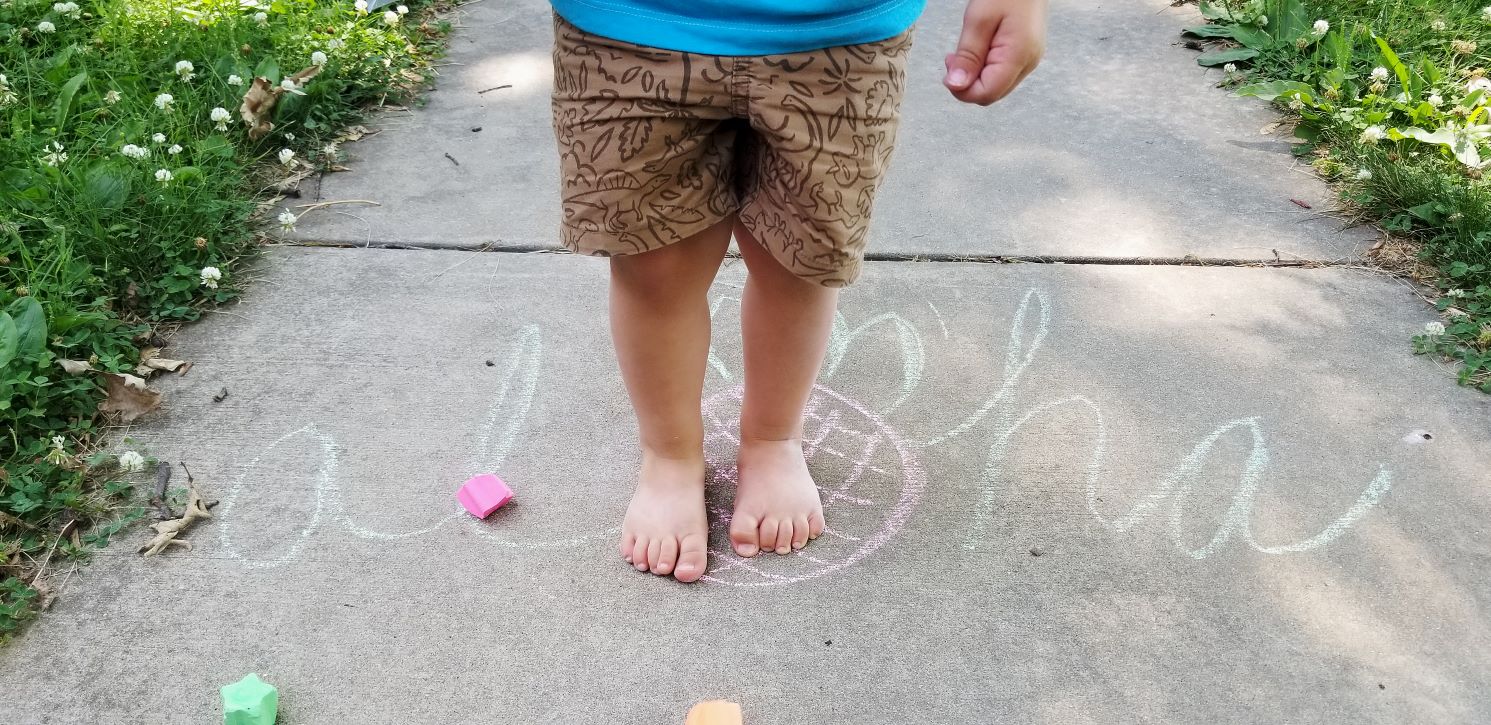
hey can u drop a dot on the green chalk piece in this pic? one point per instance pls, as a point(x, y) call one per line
point(250, 701)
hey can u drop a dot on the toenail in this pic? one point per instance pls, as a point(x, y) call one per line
point(783, 549)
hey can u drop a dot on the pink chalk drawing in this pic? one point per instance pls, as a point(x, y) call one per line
point(868, 477)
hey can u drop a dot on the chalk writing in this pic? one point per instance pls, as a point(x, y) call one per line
point(1175, 486)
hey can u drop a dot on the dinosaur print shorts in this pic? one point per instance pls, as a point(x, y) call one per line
point(657, 145)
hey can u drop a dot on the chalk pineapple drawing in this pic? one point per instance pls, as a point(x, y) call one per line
point(871, 477)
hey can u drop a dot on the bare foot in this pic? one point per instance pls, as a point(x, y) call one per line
point(665, 530)
point(776, 502)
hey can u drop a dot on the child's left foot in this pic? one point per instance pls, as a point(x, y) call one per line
point(776, 502)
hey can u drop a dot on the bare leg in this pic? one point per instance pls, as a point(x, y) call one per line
point(785, 322)
point(660, 326)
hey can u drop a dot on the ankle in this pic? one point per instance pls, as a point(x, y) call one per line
point(673, 454)
point(767, 437)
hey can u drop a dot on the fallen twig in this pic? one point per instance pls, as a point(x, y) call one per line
point(162, 477)
point(318, 205)
point(495, 88)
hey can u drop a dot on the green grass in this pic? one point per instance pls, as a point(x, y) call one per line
point(1409, 145)
point(100, 250)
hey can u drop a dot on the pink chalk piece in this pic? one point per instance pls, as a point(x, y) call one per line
point(484, 494)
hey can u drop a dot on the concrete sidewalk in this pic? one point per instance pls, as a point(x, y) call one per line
point(1060, 493)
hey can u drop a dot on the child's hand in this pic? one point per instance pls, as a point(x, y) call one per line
point(1002, 42)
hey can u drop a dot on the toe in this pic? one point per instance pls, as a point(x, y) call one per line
point(768, 534)
point(654, 554)
point(784, 537)
point(800, 532)
point(744, 534)
point(639, 553)
point(627, 542)
point(815, 524)
point(693, 555)
point(667, 557)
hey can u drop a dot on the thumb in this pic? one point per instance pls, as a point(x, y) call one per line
point(966, 63)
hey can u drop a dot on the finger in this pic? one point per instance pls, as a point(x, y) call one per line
point(995, 82)
point(965, 63)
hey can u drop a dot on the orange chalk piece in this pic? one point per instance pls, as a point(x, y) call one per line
point(714, 712)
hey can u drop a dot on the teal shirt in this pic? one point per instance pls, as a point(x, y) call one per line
point(742, 27)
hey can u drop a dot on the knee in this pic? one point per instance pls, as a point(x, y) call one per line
point(661, 276)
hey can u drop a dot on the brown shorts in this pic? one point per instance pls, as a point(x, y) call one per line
point(657, 145)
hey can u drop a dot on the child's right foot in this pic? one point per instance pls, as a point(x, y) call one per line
point(665, 530)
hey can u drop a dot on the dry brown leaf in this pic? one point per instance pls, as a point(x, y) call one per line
point(128, 396)
point(258, 106)
point(337, 167)
point(75, 367)
point(169, 365)
point(353, 133)
point(149, 363)
point(305, 74)
point(167, 532)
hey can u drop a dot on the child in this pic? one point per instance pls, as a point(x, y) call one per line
point(683, 122)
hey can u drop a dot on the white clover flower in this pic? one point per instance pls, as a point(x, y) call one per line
point(55, 155)
point(361, 7)
point(1379, 73)
point(1435, 100)
point(318, 58)
point(1486, 13)
point(163, 176)
point(1434, 329)
point(1373, 134)
point(111, 98)
point(286, 156)
point(220, 116)
point(402, 9)
point(134, 152)
point(158, 138)
point(334, 44)
point(164, 101)
point(184, 69)
point(7, 96)
point(175, 149)
point(1455, 293)
point(46, 26)
point(70, 9)
point(287, 221)
point(1320, 29)
point(1296, 104)
point(210, 276)
point(1363, 174)
point(1438, 26)
point(1262, 21)
point(131, 462)
point(234, 80)
point(1230, 68)
point(390, 18)
point(58, 442)
point(261, 18)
